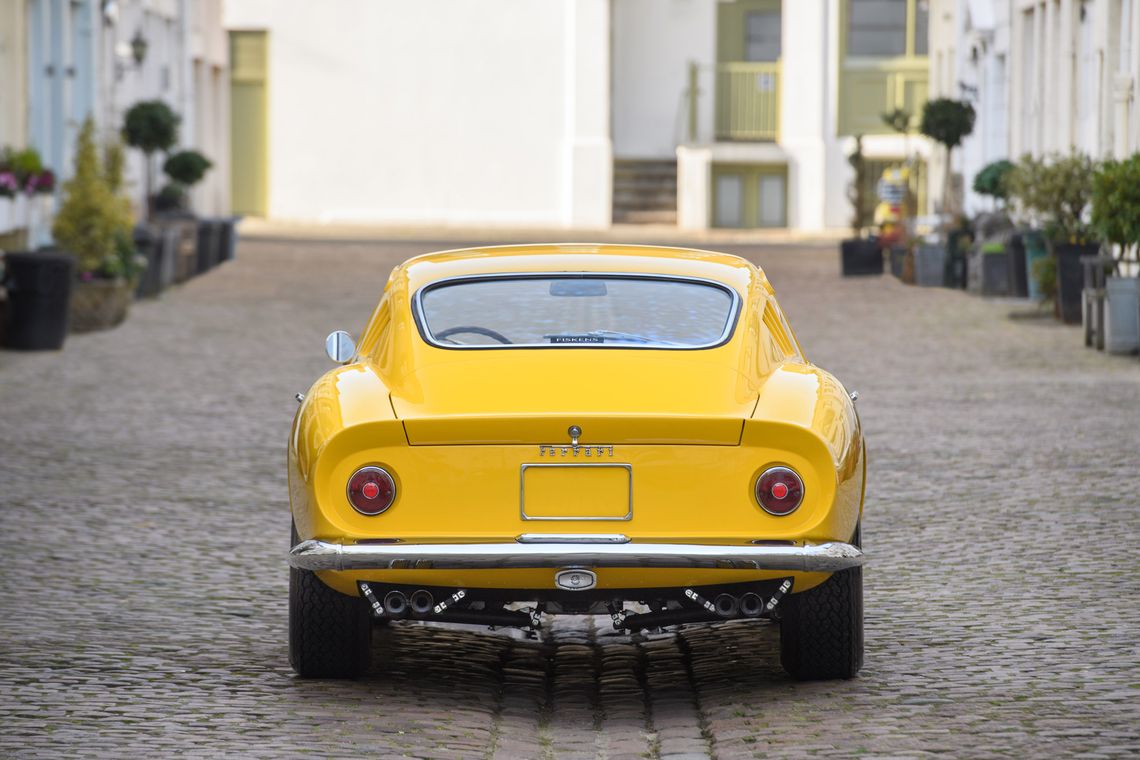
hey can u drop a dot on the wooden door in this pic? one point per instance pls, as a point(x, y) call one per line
point(249, 122)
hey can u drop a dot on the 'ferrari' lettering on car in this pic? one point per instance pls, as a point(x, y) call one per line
point(550, 449)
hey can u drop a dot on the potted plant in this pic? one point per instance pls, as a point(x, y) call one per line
point(947, 122)
point(150, 126)
point(94, 226)
point(186, 169)
point(859, 254)
point(1056, 192)
point(1116, 217)
point(1021, 186)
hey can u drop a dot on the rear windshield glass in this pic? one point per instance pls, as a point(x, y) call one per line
point(576, 312)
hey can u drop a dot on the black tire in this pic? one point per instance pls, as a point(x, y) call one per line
point(821, 629)
point(330, 633)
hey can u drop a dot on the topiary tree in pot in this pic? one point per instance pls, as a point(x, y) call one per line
point(948, 122)
point(150, 126)
point(94, 226)
point(185, 169)
point(1116, 218)
point(858, 254)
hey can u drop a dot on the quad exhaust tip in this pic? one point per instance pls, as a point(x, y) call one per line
point(726, 605)
point(395, 603)
point(751, 605)
point(421, 602)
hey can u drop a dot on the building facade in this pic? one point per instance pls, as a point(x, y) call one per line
point(1045, 77)
point(66, 60)
point(569, 113)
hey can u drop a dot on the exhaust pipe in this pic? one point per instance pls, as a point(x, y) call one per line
point(395, 604)
point(751, 605)
point(726, 605)
point(421, 602)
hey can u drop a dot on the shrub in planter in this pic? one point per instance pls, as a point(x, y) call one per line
point(94, 226)
point(1116, 216)
point(1057, 191)
point(859, 255)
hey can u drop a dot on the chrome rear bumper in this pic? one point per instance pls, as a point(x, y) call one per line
point(320, 555)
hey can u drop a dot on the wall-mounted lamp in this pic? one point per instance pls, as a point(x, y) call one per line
point(138, 47)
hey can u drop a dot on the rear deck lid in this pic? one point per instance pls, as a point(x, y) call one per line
point(533, 396)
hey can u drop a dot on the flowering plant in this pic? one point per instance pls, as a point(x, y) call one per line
point(9, 186)
point(40, 183)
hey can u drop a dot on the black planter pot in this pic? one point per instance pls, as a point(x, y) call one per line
point(39, 299)
point(1071, 278)
point(148, 244)
point(954, 275)
point(860, 256)
point(1018, 273)
point(208, 231)
point(227, 238)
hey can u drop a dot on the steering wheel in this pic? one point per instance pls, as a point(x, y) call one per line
point(496, 336)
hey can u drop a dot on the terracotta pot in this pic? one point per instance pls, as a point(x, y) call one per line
point(100, 304)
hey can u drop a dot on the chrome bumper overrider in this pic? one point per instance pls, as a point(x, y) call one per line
point(321, 555)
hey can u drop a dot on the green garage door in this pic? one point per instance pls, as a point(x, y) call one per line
point(249, 122)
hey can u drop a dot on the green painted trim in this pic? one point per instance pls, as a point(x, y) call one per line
point(870, 86)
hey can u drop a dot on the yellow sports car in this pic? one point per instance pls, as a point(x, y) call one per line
point(537, 430)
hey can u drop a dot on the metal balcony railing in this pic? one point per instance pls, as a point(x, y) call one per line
point(746, 100)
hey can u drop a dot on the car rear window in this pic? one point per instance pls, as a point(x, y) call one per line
point(576, 311)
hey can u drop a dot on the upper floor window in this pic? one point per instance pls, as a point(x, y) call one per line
point(762, 35)
point(887, 28)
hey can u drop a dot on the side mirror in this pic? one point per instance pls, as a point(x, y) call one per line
point(340, 347)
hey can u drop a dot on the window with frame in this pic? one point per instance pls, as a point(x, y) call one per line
point(887, 28)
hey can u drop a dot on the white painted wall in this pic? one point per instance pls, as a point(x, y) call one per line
point(807, 110)
point(1074, 80)
point(653, 43)
point(183, 37)
point(437, 112)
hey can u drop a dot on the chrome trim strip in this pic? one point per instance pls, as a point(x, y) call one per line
point(825, 558)
point(522, 492)
point(420, 318)
point(573, 538)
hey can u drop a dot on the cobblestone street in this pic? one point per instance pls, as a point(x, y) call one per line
point(144, 524)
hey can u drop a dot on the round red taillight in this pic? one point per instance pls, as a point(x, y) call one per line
point(779, 490)
point(371, 490)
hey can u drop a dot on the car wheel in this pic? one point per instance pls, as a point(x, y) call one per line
point(330, 633)
point(821, 629)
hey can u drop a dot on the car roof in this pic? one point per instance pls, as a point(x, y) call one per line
point(580, 257)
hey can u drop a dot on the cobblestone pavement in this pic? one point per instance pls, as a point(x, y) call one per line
point(143, 522)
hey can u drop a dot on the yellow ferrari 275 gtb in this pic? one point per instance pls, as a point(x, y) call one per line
point(537, 430)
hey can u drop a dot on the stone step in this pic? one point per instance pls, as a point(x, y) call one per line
point(645, 192)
